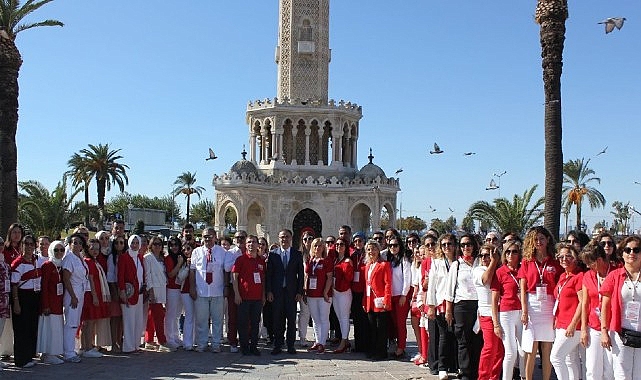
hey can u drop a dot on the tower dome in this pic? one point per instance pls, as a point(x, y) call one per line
point(371, 170)
point(244, 166)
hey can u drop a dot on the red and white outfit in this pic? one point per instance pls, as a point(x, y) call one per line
point(173, 305)
point(492, 353)
point(317, 270)
point(401, 286)
point(101, 312)
point(565, 350)
point(79, 280)
point(598, 361)
point(540, 279)
point(156, 280)
point(342, 292)
point(50, 327)
point(130, 280)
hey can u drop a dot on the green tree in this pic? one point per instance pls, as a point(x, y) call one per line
point(412, 223)
point(80, 177)
point(551, 16)
point(621, 215)
point(119, 204)
point(139, 227)
point(12, 15)
point(44, 212)
point(446, 226)
point(102, 164)
point(186, 184)
point(203, 211)
point(577, 177)
point(467, 224)
point(504, 215)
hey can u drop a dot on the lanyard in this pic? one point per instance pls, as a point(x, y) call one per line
point(634, 283)
point(514, 278)
point(542, 270)
point(567, 279)
point(314, 266)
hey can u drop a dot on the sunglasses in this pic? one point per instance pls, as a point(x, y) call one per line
point(157, 244)
point(511, 252)
point(393, 245)
point(606, 243)
point(430, 245)
point(628, 250)
point(485, 255)
point(58, 250)
point(571, 241)
point(262, 244)
point(565, 257)
point(308, 238)
point(447, 244)
point(240, 237)
point(329, 241)
point(358, 241)
point(491, 239)
point(340, 244)
point(207, 237)
point(465, 245)
point(412, 241)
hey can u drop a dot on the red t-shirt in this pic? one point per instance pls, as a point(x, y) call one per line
point(317, 271)
point(611, 287)
point(343, 275)
point(51, 281)
point(594, 298)
point(426, 264)
point(531, 270)
point(248, 268)
point(505, 282)
point(566, 293)
point(358, 280)
point(169, 266)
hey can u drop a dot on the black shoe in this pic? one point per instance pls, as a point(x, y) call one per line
point(244, 351)
point(254, 351)
point(291, 350)
point(276, 351)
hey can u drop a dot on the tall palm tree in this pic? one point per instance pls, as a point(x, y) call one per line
point(102, 164)
point(44, 212)
point(577, 177)
point(504, 215)
point(185, 185)
point(80, 177)
point(551, 16)
point(11, 15)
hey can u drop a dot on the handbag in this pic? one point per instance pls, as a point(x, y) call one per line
point(182, 275)
point(630, 338)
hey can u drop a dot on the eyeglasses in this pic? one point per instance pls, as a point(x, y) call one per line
point(571, 241)
point(358, 241)
point(340, 244)
point(75, 242)
point(377, 238)
point(628, 250)
point(446, 244)
point(565, 257)
point(412, 241)
point(430, 245)
point(608, 243)
point(262, 244)
point(59, 250)
point(157, 244)
point(465, 245)
point(207, 237)
point(308, 238)
point(240, 237)
point(492, 239)
point(393, 245)
point(329, 241)
point(511, 252)
point(485, 255)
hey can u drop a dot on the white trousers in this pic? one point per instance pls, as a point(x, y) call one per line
point(598, 360)
point(565, 355)
point(174, 306)
point(303, 319)
point(512, 327)
point(626, 361)
point(319, 309)
point(190, 320)
point(133, 325)
point(342, 302)
point(72, 322)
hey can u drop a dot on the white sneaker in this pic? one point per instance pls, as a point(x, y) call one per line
point(52, 359)
point(92, 354)
point(233, 349)
point(165, 348)
point(151, 346)
point(442, 375)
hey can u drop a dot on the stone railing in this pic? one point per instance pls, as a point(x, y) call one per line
point(311, 103)
point(233, 178)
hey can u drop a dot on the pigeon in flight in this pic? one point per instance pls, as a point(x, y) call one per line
point(449, 208)
point(400, 170)
point(612, 22)
point(492, 185)
point(212, 155)
point(437, 149)
point(469, 153)
point(603, 151)
point(432, 209)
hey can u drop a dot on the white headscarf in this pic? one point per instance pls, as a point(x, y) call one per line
point(131, 239)
point(52, 254)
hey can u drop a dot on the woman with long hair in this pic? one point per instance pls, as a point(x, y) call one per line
point(156, 282)
point(13, 243)
point(607, 241)
point(318, 293)
point(446, 252)
point(189, 323)
point(118, 248)
point(538, 276)
point(401, 294)
point(95, 313)
point(75, 274)
point(377, 300)
point(506, 307)
point(304, 315)
point(415, 310)
point(131, 274)
point(620, 315)
point(358, 289)
point(462, 306)
point(25, 289)
point(567, 315)
point(342, 291)
point(598, 362)
point(174, 262)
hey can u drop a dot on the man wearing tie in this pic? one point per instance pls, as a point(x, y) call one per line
point(207, 281)
point(284, 287)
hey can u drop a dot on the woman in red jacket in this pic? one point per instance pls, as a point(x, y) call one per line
point(377, 300)
point(51, 323)
point(318, 288)
point(130, 287)
point(342, 293)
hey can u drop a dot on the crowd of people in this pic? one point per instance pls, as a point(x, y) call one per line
point(479, 308)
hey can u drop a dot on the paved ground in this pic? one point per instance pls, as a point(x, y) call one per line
point(207, 365)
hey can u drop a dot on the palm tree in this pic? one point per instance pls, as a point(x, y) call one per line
point(577, 177)
point(80, 176)
point(11, 15)
point(504, 215)
point(185, 185)
point(102, 164)
point(551, 16)
point(43, 212)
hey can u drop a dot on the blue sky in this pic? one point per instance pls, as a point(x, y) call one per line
point(165, 80)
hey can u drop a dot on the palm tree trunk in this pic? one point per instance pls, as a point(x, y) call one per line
point(551, 16)
point(101, 184)
point(188, 198)
point(578, 217)
point(87, 204)
point(10, 62)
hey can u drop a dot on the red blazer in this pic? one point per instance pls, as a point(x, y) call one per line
point(127, 274)
point(380, 283)
point(343, 275)
point(49, 298)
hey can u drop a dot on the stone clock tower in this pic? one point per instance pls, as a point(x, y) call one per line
point(302, 170)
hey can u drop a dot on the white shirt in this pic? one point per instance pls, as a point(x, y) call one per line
point(199, 263)
point(460, 280)
point(437, 280)
point(79, 273)
point(483, 291)
point(401, 278)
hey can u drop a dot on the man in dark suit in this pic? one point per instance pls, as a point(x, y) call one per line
point(284, 287)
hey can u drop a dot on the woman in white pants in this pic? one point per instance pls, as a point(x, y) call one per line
point(598, 361)
point(303, 313)
point(342, 292)
point(75, 278)
point(130, 281)
point(174, 261)
point(567, 315)
point(318, 287)
point(189, 322)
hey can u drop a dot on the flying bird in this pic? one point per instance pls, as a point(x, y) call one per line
point(432, 209)
point(212, 155)
point(449, 208)
point(603, 151)
point(437, 149)
point(469, 153)
point(400, 170)
point(612, 22)
point(492, 185)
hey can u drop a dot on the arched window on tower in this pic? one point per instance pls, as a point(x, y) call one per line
point(306, 38)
